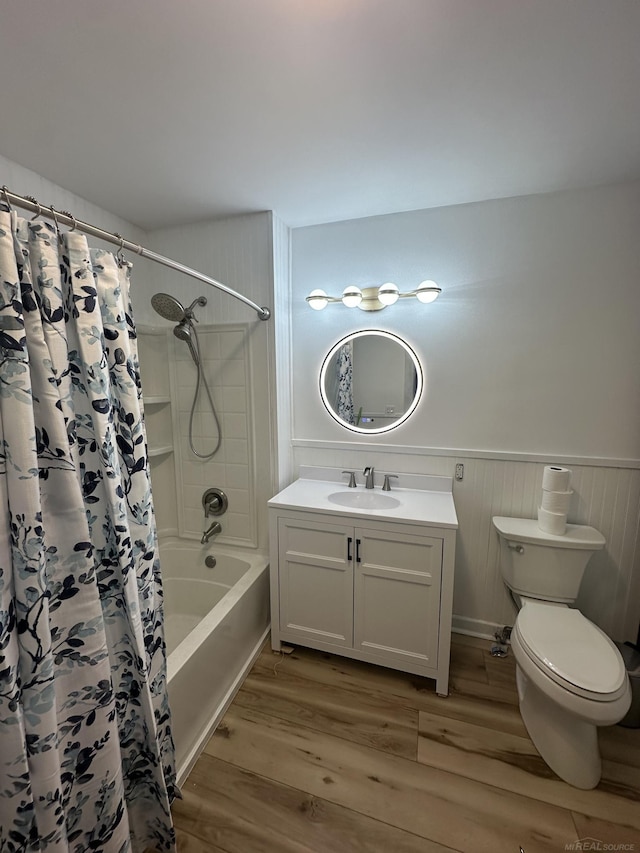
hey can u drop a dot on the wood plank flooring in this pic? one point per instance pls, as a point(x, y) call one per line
point(321, 754)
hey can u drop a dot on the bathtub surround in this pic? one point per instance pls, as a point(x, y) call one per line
point(153, 348)
point(238, 357)
point(171, 309)
point(225, 362)
point(169, 373)
point(514, 379)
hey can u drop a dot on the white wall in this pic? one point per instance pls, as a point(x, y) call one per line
point(531, 348)
point(281, 376)
point(25, 182)
point(531, 356)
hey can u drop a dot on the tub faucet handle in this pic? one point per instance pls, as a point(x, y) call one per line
point(214, 502)
point(352, 478)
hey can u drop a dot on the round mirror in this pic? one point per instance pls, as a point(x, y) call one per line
point(371, 381)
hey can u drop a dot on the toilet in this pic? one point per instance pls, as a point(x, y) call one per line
point(570, 676)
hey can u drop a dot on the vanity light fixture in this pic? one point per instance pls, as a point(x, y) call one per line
point(374, 298)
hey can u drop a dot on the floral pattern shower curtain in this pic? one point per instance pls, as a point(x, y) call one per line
point(86, 754)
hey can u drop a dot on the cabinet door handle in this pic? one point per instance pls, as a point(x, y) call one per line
point(358, 551)
point(349, 555)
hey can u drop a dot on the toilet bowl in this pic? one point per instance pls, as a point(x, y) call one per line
point(570, 676)
point(571, 679)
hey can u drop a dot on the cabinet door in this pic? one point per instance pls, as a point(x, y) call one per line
point(316, 581)
point(397, 596)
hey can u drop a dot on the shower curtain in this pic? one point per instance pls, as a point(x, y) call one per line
point(86, 754)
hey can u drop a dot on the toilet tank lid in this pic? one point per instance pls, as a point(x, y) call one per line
point(578, 536)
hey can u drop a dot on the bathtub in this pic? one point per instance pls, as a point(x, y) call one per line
point(216, 621)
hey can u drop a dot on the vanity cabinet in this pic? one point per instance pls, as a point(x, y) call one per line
point(372, 590)
point(316, 580)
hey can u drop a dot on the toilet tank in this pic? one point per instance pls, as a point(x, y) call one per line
point(540, 565)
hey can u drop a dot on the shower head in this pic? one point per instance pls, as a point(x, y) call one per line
point(168, 307)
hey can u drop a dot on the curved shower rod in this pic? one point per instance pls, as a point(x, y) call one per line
point(66, 218)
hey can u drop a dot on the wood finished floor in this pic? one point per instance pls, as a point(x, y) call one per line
point(321, 754)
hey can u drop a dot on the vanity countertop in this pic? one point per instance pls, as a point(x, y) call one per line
point(431, 507)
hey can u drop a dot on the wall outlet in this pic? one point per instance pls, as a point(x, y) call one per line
point(459, 471)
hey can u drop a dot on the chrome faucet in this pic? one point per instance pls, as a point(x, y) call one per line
point(368, 473)
point(212, 530)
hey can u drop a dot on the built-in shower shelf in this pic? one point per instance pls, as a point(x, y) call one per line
point(156, 401)
point(160, 451)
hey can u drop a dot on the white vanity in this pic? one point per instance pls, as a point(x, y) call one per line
point(365, 573)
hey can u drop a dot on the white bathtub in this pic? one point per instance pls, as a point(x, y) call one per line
point(216, 621)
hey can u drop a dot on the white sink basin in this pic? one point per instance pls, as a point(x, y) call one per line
point(429, 505)
point(363, 500)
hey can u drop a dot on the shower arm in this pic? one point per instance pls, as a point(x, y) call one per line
point(65, 218)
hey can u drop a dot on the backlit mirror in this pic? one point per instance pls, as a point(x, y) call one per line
point(371, 381)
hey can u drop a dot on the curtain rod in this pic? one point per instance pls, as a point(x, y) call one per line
point(66, 218)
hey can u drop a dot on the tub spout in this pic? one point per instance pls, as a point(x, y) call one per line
point(212, 530)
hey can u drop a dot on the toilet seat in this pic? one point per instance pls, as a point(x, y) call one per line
point(572, 651)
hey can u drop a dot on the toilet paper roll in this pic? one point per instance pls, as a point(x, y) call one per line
point(556, 479)
point(556, 501)
point(552, 522)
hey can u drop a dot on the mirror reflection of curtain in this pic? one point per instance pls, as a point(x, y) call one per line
point(344, 370)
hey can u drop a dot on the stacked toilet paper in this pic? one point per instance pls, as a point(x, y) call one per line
point(556, 494)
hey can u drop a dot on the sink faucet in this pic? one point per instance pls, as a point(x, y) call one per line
point(212, 530)
point(368, 473)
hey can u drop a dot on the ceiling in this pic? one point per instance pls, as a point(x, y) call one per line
point(173, 111)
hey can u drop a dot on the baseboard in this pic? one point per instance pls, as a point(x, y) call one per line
point(474, 627)
point(194, 754)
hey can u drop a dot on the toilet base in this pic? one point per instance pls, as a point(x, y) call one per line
point(568, 745)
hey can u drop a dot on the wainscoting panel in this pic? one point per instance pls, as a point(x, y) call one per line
point(605, 497)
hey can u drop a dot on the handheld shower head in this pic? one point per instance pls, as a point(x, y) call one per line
point(185, 331)
point(168, 307)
